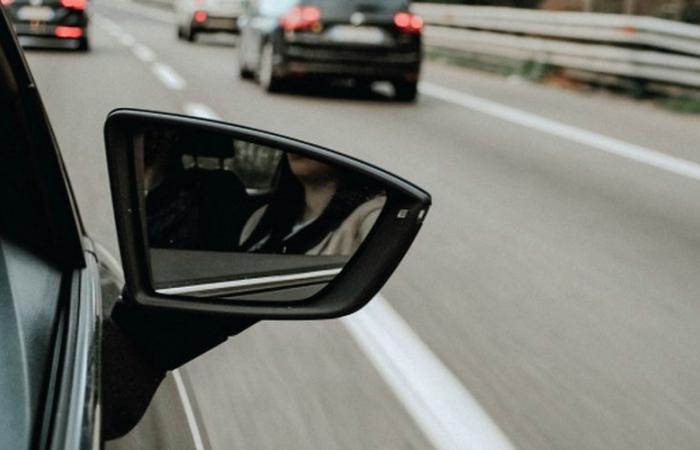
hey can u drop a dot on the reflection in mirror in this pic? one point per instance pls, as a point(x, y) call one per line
point(231, 218)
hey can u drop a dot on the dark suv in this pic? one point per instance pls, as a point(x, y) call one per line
point(61, 23)
point(366, 40)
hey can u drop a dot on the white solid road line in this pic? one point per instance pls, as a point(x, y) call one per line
point(189, 412)
point(610, 145)
point(115, 267)
point(143, 53)
point(200, 110)
point(168, 76)
point(447, 414)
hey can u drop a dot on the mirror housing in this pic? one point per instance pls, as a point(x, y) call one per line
point(361, 278)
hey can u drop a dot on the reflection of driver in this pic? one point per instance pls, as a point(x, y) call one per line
point(191, 209)
point(316, 210)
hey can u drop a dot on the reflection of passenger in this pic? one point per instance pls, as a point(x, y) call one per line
point(316, 209)
point(191, 209)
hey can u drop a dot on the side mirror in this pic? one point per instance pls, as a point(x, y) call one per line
point(220, 218)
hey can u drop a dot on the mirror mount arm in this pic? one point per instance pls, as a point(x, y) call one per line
point(140, 345)
point(171, 339)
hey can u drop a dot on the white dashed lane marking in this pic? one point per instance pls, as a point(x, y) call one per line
point(126, 39)
point(168, 76)
point(200, 110)
point(143, 53)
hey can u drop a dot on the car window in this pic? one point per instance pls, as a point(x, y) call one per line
point(275, 7)
point(27, 226)
point(370, 6)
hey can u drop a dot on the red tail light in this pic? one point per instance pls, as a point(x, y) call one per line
point(69, 32)
point(200, 16)
point(301, 18)
point(6, 2)
point(74, 4)
point(409, 23)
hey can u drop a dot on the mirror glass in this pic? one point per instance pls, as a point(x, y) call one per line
point(228, 217)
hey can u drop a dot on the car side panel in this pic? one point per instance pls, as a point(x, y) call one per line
point(76, 408)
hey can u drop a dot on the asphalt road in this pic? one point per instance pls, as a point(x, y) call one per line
point(556, 281)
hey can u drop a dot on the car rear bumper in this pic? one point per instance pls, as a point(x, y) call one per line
point(42, 42)
point(217, 24)
point(377, 63)
point(44, 30)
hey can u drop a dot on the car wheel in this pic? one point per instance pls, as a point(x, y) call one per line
point(188, 34)
point(243, 71)
point(84, 44)
point(405, 91)
point(246, 74)
point(266, 76)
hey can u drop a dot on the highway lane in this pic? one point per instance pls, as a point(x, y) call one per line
point(556, 281)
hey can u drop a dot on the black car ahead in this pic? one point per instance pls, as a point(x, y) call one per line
point(51, 23)
point(366, 40)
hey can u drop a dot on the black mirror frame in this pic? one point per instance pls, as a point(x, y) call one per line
point(362, 277)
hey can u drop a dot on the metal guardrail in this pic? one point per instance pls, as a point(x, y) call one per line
point(631, 46)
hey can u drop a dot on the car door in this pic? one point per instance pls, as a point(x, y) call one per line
point(49, 296)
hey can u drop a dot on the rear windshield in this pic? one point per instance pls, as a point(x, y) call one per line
point(335, 7)
point(366, 6)
point(276, 7)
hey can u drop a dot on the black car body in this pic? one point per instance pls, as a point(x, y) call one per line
point(52, 23)
point(369, 40)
